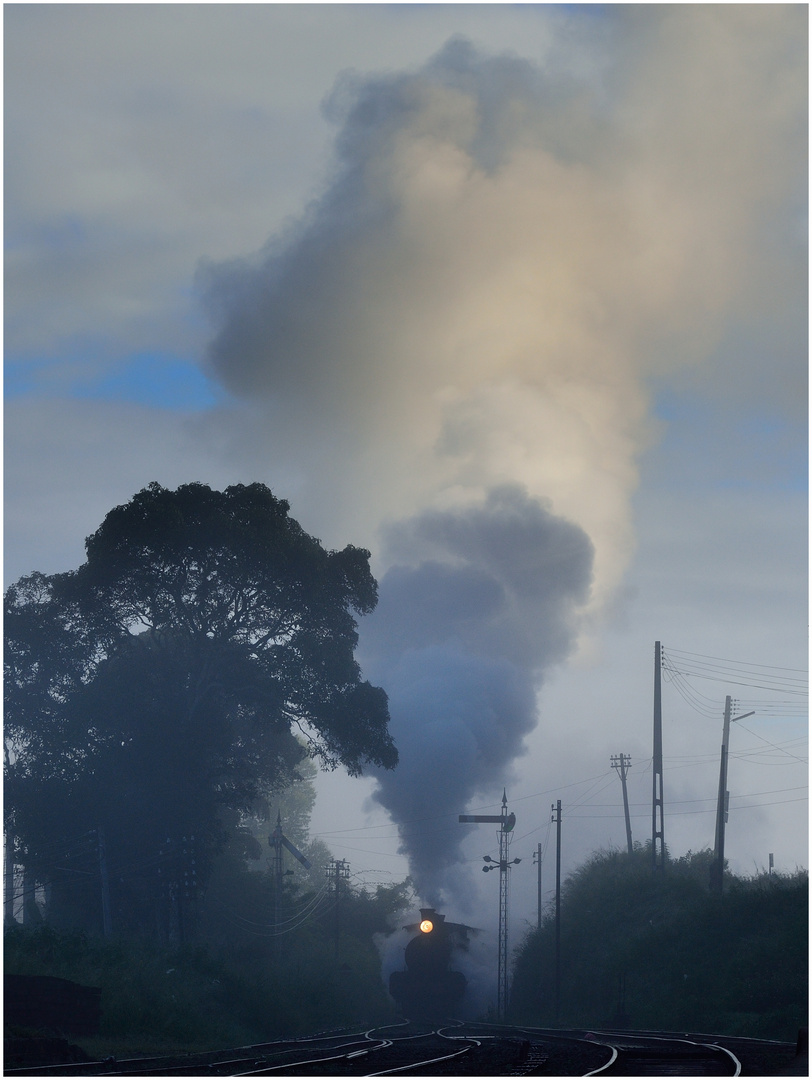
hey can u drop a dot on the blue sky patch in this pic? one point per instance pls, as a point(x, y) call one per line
point(708, 442)
point(157, 380)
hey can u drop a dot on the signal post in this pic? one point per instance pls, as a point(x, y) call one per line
point(507, 823)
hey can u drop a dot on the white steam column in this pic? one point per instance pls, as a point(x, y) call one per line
point(506, 822)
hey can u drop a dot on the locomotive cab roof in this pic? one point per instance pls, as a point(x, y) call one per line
point(439, 921)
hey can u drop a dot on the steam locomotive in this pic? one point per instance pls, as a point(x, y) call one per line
point(428, 988)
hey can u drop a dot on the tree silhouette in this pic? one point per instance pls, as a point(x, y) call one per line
point(162, 682)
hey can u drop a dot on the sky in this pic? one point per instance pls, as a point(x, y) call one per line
point(514, 296)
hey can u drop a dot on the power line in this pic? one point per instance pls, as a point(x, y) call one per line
point(701, 660)
point(679, 666)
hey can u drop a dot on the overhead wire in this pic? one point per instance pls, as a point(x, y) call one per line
point(271, 929)
point(720, 664)
point(679, 666)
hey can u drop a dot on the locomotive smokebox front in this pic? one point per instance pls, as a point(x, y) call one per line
point(428, 988)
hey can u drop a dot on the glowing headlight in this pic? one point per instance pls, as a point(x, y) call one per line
point(426, 926)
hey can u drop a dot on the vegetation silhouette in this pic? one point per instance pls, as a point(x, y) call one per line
point(158, 693)
point(661, 951)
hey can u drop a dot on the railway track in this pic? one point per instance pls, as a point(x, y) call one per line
point(463, 1049)
point(659, 1053)
point(381, 1051)
point(663, 1056)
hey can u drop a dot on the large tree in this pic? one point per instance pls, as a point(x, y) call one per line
point(163, 683)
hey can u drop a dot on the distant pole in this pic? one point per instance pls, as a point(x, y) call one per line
point(622, 762)
point(29, 897)
point(537, 860)
point(278, 840)
point(338, 866)
point(557, 819)
point(275, 840)
point(718, 864)
point(107, 919)
point(339, 869)
point(8, 896)
point(657, 827)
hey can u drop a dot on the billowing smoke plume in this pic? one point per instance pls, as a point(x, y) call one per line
point(461, 639)
point(457, 335)
point(502, 256)
point(447, 317)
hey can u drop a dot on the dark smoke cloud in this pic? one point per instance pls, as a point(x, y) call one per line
point(463, 635)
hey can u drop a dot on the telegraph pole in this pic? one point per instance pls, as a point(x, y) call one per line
point(107, 919)
point(275, 840)
point(8, 896)
point(278, 841)
point(622, 762)
point(718, 865)
point(339, 870)
point(556, 808)
point(507, 823)
point(657, 828)
point(537, 860)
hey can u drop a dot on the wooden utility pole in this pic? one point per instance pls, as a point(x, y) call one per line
point(557, 819)
point(657, 826)
point(338, 870)
point(278, 841)
point(718, 865)
point(622, 762)
point(107, 918)
point(537, 860)
point(8, 896)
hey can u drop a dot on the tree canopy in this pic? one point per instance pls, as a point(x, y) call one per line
point(166, 679)
point(662, 951)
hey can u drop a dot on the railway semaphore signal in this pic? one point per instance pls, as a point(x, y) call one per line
point(278, 841)
point(506, 824)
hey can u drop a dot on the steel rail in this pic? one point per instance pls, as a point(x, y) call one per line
point(267, 1069)
point(441, 1033)
point(420, 1064)
point(724, 1049)
point(609, 1063)
point(646, 1041)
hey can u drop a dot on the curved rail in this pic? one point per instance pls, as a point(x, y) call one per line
point(625, 1046)
point(422, 1064)
point(399, 1050)
point(609, 1063)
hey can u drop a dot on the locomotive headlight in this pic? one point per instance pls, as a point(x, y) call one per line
point(426, 926)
